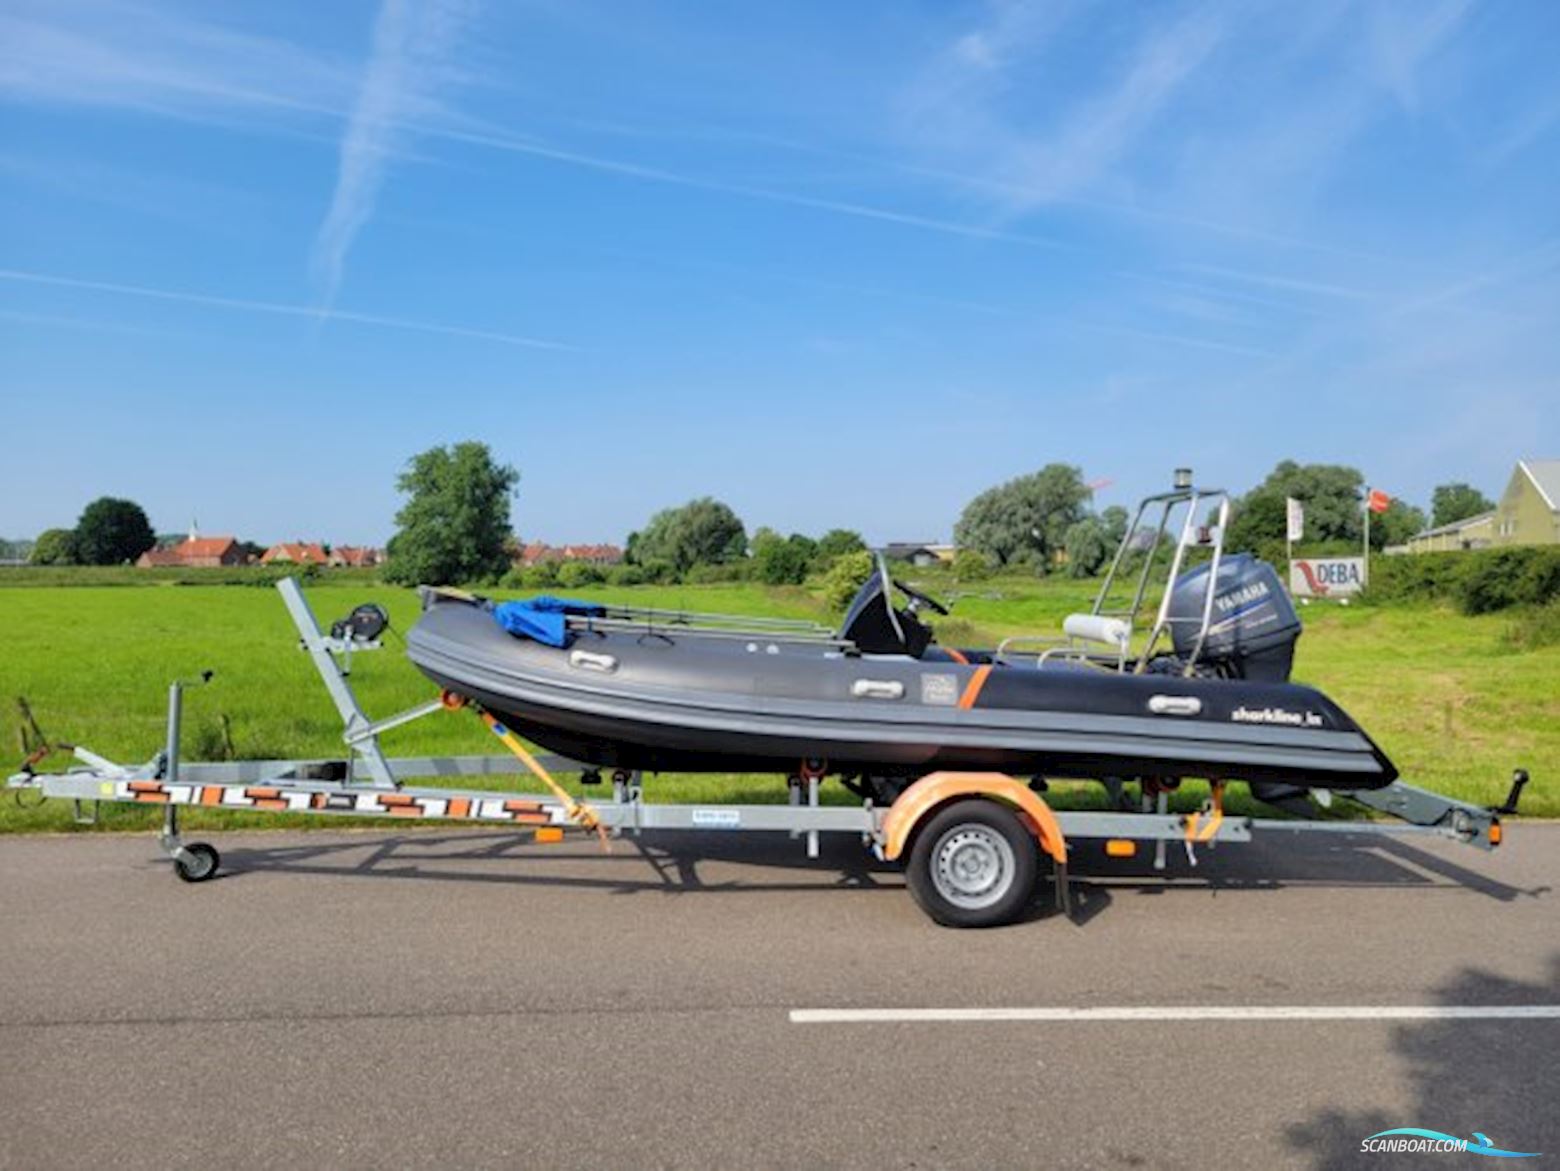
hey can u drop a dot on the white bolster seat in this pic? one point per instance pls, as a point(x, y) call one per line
point(1097, 628)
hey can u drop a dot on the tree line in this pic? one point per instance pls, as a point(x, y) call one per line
point(110, 531)
point(455, 525)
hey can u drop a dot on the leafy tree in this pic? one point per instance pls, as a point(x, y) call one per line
point(626, 575)
point(1454, 502)
point(453, 527)
point(763, 537)
point(573, 574)
point(541, 576)
point(971, 565)
point(55, 547)
point(1088, 546)
point(1395, 526)
point(838, 542)
point(112, 531)
point(1025, 519)
point(782, 561)
point(1331, 495)
point(701, 532)
point(1115, 519)
point(845, 577)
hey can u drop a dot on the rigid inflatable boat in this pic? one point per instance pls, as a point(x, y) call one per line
point(1203, 693)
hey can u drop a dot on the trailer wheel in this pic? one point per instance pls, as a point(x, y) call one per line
point(973, 864)
point(200, 862)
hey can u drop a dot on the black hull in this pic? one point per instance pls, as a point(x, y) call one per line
point(689, 703)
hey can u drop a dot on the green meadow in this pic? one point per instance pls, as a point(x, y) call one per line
point(1456, 701)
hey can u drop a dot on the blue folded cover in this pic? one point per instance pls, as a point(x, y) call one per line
point(544, 618)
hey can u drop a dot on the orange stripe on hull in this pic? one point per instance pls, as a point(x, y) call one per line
point(972, 688)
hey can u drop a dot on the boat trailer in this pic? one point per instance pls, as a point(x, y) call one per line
point(970, 841)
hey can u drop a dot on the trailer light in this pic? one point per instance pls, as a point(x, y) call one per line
point(549, 834)
point(1120, 848)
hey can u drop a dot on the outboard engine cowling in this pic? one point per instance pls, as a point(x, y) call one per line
point(1254, 626)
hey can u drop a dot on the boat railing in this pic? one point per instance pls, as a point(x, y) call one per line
point(1192, 535)
point(1017, 649)
point(733, 627)
point(706, 618)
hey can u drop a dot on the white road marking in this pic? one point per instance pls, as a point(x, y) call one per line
point(1325, 1012)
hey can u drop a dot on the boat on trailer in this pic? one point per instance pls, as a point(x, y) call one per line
point(1203, 693)
point(934, 777)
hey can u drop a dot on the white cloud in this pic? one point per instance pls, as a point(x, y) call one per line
point(105, 53)
point(988, 101)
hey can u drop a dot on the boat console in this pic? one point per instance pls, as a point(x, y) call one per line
point(874, 627)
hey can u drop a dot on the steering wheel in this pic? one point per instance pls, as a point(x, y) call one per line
point(917, 599)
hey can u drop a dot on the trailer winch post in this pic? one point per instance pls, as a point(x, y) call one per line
point(361, 735)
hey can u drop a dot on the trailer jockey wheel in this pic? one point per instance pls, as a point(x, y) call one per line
point(973, 865)
point(198, 863)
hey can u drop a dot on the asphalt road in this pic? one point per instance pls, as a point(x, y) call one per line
point(473, 999)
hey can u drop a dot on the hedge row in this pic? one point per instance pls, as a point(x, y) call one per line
point(130, 575)
point(1476, 582)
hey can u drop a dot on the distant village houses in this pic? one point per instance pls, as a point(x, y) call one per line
point(314, 553)
point(355, 556)
point(195, 552)
point(537, 552)
point(198, 552)
point(295, 553)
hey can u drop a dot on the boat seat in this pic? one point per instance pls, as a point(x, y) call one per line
point(1112, 632)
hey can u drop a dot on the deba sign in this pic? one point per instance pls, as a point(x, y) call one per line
point(1326, 577)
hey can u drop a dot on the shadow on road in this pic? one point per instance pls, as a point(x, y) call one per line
point(1498, 1077)
point(1275, 862)
point(679, 862)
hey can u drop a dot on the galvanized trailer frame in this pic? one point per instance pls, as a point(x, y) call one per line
point(367, 783)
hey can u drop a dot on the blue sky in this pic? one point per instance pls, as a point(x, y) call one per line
point(837, 264)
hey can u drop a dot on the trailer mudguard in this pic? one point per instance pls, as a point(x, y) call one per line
point(937, 789)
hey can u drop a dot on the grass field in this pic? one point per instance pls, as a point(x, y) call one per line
point(1451, 699)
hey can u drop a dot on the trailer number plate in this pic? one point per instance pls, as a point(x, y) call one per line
point(717, 819)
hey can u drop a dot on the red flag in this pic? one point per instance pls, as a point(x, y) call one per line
point(1379, 501)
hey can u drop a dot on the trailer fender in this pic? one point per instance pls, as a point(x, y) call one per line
point(937, 789)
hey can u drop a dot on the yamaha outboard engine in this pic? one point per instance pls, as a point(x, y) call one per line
point(1252, 632)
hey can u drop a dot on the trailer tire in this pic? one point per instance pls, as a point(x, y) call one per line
point(973, 864)
point(202, 862)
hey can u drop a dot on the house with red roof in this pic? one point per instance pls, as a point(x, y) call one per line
point(195, 553)
point(295, 553)
point(536, 552)
point(355, 556)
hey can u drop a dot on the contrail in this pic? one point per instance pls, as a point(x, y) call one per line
point(280, 308)
point(411, 40)
point(674, 178)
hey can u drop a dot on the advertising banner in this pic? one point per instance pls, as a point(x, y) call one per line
point(1326, 577)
